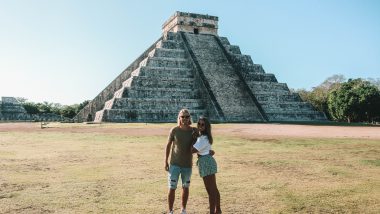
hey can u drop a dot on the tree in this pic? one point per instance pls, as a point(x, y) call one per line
point(332, 82)
point(355, 100)
point(44, 107)
point(318, 96)
point(31, 108)
point(375, 82)
point(56, 108)
point(68, 111)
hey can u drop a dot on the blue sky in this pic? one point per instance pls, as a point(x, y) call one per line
point(68, 51)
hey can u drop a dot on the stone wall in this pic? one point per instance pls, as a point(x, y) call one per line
point(188, 22)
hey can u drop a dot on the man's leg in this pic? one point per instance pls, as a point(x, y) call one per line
point(173, 177)
point(185, 196)
point(171, 197)
point(185, 176)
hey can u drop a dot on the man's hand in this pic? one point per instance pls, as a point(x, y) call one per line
point(212, 152)
point(195, 134)
point(166, 166)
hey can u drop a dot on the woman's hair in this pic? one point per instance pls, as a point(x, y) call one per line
point(207, 130)
point(183, 111)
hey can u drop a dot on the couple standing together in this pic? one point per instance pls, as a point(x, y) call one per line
point(183, 141)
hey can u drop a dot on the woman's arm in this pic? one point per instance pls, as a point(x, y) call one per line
point(193, 150)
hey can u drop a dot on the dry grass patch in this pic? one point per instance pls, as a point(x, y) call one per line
point(77, 168)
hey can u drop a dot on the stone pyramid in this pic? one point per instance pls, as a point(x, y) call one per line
point(192, 67)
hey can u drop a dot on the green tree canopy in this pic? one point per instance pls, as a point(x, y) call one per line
point(318, 95)
point(355, 100)
point(68, 111)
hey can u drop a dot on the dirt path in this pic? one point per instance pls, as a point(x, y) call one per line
point(300, 131)
point(243, 130)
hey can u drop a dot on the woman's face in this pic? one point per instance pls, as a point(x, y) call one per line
point(201, 125)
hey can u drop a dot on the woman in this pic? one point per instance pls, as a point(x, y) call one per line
point(207, 164)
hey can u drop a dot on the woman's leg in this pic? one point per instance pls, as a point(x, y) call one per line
point(218, 210)
point(210, 185)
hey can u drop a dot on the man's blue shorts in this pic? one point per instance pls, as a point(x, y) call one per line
point(173, 176)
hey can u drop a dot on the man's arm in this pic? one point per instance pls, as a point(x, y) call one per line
point(167, 152)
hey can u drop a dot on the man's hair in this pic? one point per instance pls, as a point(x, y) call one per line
point(181, 112)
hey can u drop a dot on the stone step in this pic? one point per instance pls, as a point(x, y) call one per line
point(168, 53)
point(138, 115)
point(137, 92)
point(255, 68)
point(109, 103)
point(169, 44)
point(296, 116)
point(165, 62)
point(224, 40)
point(290, 111)
point(12, 108)
point(162, 71)
point(233, 49)
point(99, 116)
point(261, 77)
point(162, 82)
point(287, 106)
point(156, 103)
point(257, 86)
point(233, 98)
point(285, 96)
point(244, 60)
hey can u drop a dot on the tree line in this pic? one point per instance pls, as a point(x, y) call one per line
point(352, 100)
point(68, 111)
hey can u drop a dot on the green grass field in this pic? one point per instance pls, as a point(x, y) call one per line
point(78, 170)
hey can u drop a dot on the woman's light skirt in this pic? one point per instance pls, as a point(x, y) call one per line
point(207, 165)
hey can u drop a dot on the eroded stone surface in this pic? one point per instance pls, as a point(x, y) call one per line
point(190, 66)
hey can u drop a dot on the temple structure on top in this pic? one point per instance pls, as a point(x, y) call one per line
point(191, 66)
point(191, 23)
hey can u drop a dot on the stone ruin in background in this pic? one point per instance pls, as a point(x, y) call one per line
point(12, 110)
point(191, 66)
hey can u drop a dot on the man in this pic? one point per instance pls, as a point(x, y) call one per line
point(180, 141)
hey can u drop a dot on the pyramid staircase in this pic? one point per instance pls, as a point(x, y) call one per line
point(191, 67)
point(234, 99)
point(157, 89)
point(276, 100)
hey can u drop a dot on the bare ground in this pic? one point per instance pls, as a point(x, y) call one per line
point(264, 168)
point(242, 130)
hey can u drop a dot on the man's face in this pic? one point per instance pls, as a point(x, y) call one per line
point(184, 118)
